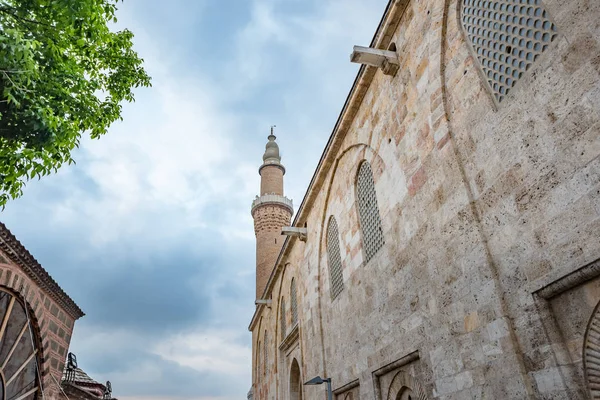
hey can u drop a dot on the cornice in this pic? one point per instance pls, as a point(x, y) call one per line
point(19, 255)
point(570, 280)
point(273, 200)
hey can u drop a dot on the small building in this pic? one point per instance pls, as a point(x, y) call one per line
point(77, 385)
point(37, 319)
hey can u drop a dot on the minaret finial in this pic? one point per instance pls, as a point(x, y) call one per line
point(271, 149)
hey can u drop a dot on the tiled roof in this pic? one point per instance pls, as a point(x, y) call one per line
point(82, 382)
point(80, 377)
point(23, 258)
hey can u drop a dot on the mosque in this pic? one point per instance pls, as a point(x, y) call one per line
point(448, 245)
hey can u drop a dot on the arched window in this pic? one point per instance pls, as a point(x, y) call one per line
point(334, 258)
point(368, 211)
point(266, 353)
point(282, 319)
point(507, 37)
point(19, 351)
point(258, 369)
point(294, 302)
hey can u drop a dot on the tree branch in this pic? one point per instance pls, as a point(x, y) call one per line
point(7, 10)
point(15, 85)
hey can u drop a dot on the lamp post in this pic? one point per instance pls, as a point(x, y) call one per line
point(318, 381)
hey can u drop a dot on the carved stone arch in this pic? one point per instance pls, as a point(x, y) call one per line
point(404, 387)
point(365, 153)
point(591, 354)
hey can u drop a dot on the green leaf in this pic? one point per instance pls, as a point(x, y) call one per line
point(55, 57)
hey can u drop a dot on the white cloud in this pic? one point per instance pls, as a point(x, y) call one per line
point(217, 351)
point(179, 148)
point(173, 152)
point(185, 160)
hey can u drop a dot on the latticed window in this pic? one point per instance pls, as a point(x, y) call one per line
point(266, 353)
point(508, 36)
point(258, 369)
point(368, 211)
point(282, 316)
point(334, 258)
point(294, 302)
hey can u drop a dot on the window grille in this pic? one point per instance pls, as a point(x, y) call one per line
point(258, 369)
point(266, 353)
point(334, 258)
point(282, 316)
point(294, 303)
point(368, 211)
point(508, 36)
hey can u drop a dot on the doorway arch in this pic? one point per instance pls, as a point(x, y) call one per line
point(295, 381)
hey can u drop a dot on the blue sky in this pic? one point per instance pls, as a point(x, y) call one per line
point(150, 232)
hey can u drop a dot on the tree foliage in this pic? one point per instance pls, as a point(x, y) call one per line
point(63, 73)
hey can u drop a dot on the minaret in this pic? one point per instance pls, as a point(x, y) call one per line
point(271, 211)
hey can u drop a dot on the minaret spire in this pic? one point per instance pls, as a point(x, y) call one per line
point(271, 211)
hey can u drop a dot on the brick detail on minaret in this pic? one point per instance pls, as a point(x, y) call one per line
point(271, 180)
point(271, 212)
point(268, 221)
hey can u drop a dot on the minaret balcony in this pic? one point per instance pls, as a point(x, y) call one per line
point(273, 199)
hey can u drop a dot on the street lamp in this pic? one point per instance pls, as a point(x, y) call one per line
point(318, 381)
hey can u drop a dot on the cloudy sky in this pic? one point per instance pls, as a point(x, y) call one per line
point(150, 233)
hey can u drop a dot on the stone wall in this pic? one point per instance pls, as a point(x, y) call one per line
point(484, 205)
